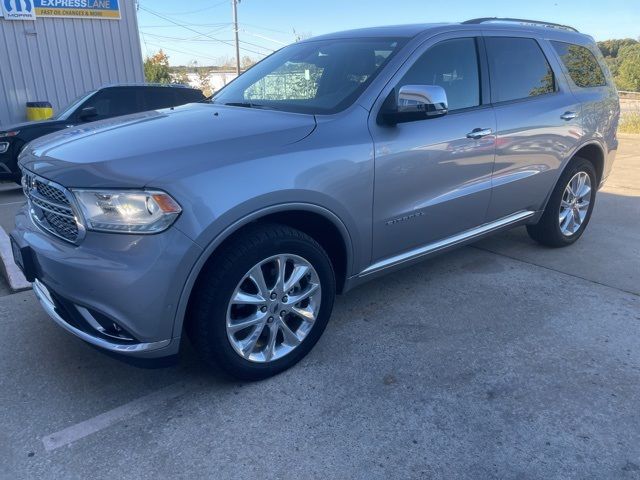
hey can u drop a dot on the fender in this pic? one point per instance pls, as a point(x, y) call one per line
point(209, 249)
point(565, 162)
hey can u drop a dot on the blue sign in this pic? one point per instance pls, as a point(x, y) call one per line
point(18, 9)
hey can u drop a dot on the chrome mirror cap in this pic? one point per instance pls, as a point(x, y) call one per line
point(432, 99)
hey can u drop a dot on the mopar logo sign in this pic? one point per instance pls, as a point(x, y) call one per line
point(19, 9)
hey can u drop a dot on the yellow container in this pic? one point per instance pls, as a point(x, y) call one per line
point(39, 111)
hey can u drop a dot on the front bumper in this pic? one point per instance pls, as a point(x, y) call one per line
point(56, 313)
point(132, 281)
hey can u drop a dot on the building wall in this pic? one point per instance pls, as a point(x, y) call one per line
point(58, 59)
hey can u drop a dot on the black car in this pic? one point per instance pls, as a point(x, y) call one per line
point(107, 102)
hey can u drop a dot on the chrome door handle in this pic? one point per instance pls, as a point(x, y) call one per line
point(477, 133)
point(568, 115)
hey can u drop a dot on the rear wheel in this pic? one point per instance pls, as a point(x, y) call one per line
point(570, 206)
point(263, 302)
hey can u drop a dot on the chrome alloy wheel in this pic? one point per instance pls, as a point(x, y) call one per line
point(273, 308)
point(575, 203)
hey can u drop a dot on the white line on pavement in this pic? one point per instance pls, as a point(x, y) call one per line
point(104, 420)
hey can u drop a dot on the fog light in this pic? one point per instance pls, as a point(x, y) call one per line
point(4, 146)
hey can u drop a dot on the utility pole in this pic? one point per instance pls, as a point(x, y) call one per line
point(235, 31)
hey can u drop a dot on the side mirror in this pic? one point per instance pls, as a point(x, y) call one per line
point(417, 102)
point(88, 113)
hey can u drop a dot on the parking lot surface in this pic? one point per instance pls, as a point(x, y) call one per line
point(500, 360)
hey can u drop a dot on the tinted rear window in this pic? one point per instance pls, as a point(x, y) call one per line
point(518, 69)
point(582, 66)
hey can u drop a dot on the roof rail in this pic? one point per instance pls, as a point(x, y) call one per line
point(519, 20)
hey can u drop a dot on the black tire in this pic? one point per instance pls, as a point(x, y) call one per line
point(547, 231)
point(206, 322)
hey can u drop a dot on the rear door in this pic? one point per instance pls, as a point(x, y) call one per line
point(538, 121)
point(432, 180)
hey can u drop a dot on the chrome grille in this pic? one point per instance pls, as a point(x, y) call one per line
point(50, 207)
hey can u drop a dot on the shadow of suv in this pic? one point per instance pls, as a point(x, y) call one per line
point(333, 161)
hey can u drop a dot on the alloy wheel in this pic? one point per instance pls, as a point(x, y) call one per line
point(575, 202)
point(273, 308)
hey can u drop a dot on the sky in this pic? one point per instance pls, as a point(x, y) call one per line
point(201, 30)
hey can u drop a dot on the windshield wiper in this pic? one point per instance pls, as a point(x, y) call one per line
point(250, 105)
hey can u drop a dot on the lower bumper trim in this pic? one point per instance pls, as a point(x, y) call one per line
point(49, 306)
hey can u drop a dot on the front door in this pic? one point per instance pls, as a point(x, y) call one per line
point(433, 176)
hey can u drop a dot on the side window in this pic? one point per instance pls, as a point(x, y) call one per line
point(113, 102)
point(518, 69)
point(159, 97)
point(453, 65)
point(583, 67)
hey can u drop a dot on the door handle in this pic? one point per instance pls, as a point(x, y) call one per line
point(568, 116)
point(477, 133)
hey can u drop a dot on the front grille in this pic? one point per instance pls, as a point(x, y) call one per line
point(50, 207)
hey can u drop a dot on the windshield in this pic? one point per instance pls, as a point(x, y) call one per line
point(318, 77)
point(73, 105)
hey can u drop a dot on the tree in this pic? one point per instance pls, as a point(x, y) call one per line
point(203, 82)
point(246, 62)
point(628, 77)
point(611, 48)
point(156, 68)
point(180, 76)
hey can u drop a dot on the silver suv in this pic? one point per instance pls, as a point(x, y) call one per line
point(331, 162)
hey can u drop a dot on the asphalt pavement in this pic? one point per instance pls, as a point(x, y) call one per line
point(500, 360)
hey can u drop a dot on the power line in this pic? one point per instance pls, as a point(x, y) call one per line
point(188, 24)
point(199, 33)
point(171, 49)
point(211, 7)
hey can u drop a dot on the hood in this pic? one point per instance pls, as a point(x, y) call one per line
point(131, 151)
point(26, 125)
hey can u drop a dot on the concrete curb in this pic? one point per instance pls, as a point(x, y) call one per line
point(10, 270)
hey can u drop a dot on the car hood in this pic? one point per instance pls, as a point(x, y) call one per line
point(131, 151)
point(26, 125)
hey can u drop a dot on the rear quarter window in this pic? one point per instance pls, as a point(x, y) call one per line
point(583, 68)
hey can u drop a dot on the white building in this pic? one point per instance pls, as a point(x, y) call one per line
point(57, 53)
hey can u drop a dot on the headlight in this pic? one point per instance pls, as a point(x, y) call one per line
point(9, 134)
point(127, 211)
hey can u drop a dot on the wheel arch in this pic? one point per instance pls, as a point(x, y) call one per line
point(591, 150)
point(318, 222)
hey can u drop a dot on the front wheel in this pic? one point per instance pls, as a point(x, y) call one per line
point(570, 206)
point(263, 302)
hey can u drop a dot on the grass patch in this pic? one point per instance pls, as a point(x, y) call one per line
point(630, 123)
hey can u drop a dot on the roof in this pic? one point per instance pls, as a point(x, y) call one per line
point(143, 84)
point(410, 31)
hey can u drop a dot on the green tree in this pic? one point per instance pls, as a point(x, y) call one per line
point(156, 68)
point(611, 48)
point(203, 81)
point(628, 77)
